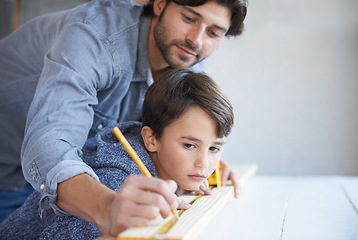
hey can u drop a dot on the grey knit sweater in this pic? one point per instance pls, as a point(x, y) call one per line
point(111, 163)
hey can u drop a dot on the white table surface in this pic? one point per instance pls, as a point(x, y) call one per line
point(289, 208)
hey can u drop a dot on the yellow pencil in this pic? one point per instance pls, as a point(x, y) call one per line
point(135, 157)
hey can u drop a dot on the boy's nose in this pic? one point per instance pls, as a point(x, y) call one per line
point(201, 161)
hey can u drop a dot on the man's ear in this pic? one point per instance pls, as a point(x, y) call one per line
point(158, 6)
point(150, 141)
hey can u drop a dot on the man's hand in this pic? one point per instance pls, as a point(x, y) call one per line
point(139, 200)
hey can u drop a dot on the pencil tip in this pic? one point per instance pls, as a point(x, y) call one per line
point(175, 214)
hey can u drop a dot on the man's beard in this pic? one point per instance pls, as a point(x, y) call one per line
point(160, 36)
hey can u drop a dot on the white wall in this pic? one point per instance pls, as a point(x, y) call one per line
point(293, 80)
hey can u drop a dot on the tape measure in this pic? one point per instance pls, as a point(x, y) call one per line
point(215, 178)
point(166, 227)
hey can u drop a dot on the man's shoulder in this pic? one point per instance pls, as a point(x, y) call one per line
point(108, 15)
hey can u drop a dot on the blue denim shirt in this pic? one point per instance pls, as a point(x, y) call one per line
point(91, 69)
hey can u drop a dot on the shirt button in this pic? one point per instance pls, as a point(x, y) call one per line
point(42, 186)
point(100, 127)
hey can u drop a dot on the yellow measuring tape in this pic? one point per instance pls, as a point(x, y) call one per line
point(165, 229)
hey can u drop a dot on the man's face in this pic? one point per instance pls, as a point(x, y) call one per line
point(187, 35)
point(189, 149)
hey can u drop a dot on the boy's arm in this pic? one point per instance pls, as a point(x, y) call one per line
point(138, 201)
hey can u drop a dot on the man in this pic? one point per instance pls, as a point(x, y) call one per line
point(91, 67)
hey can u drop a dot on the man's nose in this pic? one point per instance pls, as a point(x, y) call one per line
point(195, 37)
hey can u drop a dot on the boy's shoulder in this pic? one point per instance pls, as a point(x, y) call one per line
point(110, 160)
point(105, 151)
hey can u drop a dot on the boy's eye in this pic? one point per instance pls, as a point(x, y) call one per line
point(214, 149)
point(189, 145)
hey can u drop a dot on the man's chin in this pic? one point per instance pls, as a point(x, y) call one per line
point(182, 64)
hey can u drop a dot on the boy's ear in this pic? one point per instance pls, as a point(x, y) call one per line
point(150, 141)
point(158, 6)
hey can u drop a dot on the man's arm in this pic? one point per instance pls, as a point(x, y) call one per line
point(84, 197)
point(113, 212)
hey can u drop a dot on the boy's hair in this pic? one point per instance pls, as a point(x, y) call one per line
point(178, 90)
point(238, 9)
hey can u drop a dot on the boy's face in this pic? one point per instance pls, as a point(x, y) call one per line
point(188, 150)
point(187, 35)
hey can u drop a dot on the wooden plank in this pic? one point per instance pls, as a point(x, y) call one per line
point(197, 217)
point(257, 214)
point(244, 172)
point(190, 223)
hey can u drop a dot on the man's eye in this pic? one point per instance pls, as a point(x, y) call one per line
point(213, 34)
point(187, 18)
point(189, 145)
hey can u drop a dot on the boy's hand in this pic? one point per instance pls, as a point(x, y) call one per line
point(228, 174)
point(203, 190)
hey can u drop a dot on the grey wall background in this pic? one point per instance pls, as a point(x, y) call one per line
point(30, 9)
point(6, 10)
point(292, 78)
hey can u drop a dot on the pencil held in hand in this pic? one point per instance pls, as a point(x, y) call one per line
point(135, 157)
point(131, 151)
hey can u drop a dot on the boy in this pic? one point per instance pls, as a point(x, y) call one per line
point(185, 122)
